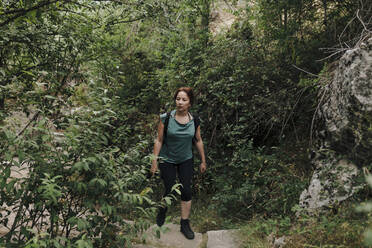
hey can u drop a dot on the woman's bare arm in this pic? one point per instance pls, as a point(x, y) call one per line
point(200, 146)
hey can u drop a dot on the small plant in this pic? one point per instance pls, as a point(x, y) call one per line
point(366, 207)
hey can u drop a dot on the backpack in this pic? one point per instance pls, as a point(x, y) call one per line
point(166, 122)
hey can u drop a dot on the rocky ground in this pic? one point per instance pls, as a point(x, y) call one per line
point(173, 238)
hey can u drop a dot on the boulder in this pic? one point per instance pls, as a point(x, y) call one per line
point(344, 135)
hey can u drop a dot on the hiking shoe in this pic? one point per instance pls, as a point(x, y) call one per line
point(160, 218)
point(186, 229)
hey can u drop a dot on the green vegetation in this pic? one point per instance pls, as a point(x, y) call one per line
point(89, 78)
point(341, 230)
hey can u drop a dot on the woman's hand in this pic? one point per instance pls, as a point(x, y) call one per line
point(203, 167)
point(154, 167)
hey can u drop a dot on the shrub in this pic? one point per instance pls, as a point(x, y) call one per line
point(253, 182)
point(77, 186)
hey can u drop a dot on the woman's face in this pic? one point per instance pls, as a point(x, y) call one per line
point(183, 101)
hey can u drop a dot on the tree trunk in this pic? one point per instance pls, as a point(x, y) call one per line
point(325, 13)
point(206, 9)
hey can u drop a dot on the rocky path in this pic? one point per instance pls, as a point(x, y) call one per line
point(173, 238)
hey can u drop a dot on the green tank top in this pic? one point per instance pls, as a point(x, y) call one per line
point(178, 146)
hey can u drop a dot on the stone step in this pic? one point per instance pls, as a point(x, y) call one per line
point(171, 238)
point(223, 239)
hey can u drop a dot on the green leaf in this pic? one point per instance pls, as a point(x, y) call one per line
point(102, 182)
point(10, 185)
point(116, 149)
point(143, 211)
point(81, 187)
point(81, 243)
point(45, 138)
point(21, 156)
point(72, 221)
point(32, 15)
point(81, 165)
point(28, 73)
point(157, 233)
point(168, 200)
point(2, 183)
point(78, 166)
point(177, 190)
point(145, 191)
point(7, 171)
point(86, 166)
point(104, 139)
point(58, 245)
point(369, 180)
point(82, 224)
point(92, 159)
point(9, 135)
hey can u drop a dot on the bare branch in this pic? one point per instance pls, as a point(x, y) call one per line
point(312, 74)
point(340, 50)
point(292, 112)
point(365, 31)
point(361, 21)
point(34, 118)
point(314, 116)
point(343, 31)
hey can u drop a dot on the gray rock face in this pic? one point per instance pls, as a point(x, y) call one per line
point(348, 110)
point(332, 182)
point(346, 114)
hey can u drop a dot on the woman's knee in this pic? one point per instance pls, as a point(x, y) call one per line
point(186, 194)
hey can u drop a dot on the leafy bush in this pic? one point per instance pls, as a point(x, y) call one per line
point(76, 187)
point(244, 94)
point(252, 182)
point(343, 227)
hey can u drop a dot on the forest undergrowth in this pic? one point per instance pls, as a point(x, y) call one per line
point(91, 78)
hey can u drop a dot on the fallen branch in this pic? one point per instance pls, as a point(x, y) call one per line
point(34, 118)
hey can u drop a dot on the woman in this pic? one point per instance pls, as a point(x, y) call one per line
point(175, 149)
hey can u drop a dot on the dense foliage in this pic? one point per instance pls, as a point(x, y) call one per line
point(89, 78)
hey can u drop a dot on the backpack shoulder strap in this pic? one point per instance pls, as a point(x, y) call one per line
point(196, 121)
point(166, 123)
point(196, 124)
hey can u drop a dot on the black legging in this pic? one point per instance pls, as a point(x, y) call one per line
point(185, 170)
